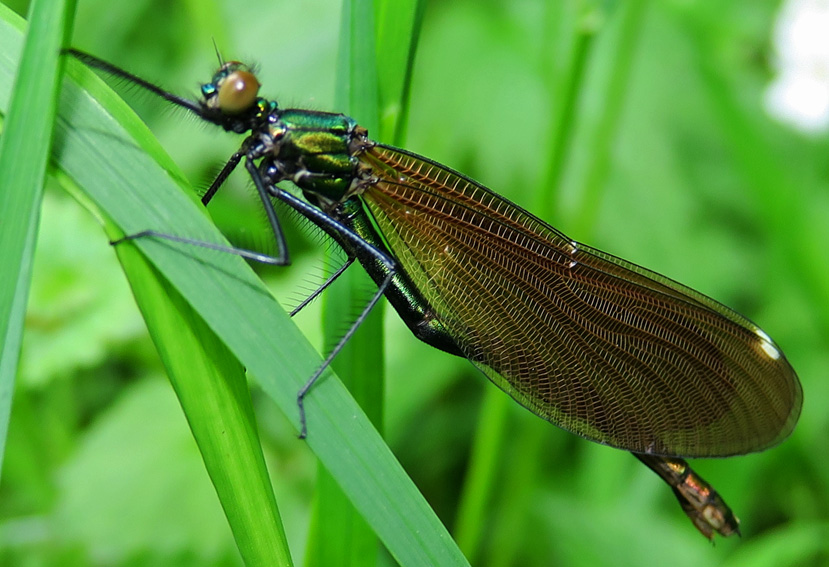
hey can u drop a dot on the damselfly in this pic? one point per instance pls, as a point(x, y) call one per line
point(597, 345)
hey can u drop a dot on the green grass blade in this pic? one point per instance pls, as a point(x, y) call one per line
point(212, 389)
point(24, 151)
point(116, 163)
point(603, 108)
point(372, 86)
point(398, 25)
point(339, 534)
point(480, 482)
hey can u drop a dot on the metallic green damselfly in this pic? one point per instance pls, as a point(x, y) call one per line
point(599, 346)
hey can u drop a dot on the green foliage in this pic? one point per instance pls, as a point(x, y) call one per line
point(665, 157)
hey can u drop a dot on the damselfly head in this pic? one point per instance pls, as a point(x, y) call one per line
point(233, 90)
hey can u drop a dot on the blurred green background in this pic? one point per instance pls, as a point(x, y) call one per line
point(665, 157)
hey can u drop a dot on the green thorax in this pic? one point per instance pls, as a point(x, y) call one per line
point(318, 151)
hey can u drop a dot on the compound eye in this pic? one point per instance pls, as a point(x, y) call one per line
point(237, 92)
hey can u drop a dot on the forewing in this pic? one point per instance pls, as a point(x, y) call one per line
point(595, 344)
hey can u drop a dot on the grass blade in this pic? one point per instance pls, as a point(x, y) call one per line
point(123, 172)
point(212, 389)
point(24, 151)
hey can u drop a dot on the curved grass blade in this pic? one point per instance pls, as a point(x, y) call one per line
point(212, 388)
point(113, 167)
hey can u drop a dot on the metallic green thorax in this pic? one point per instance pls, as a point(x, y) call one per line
point(316, 150)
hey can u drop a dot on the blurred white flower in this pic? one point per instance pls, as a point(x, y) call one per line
point(799, 95)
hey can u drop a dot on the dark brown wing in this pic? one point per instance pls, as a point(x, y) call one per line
point(597, 345)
